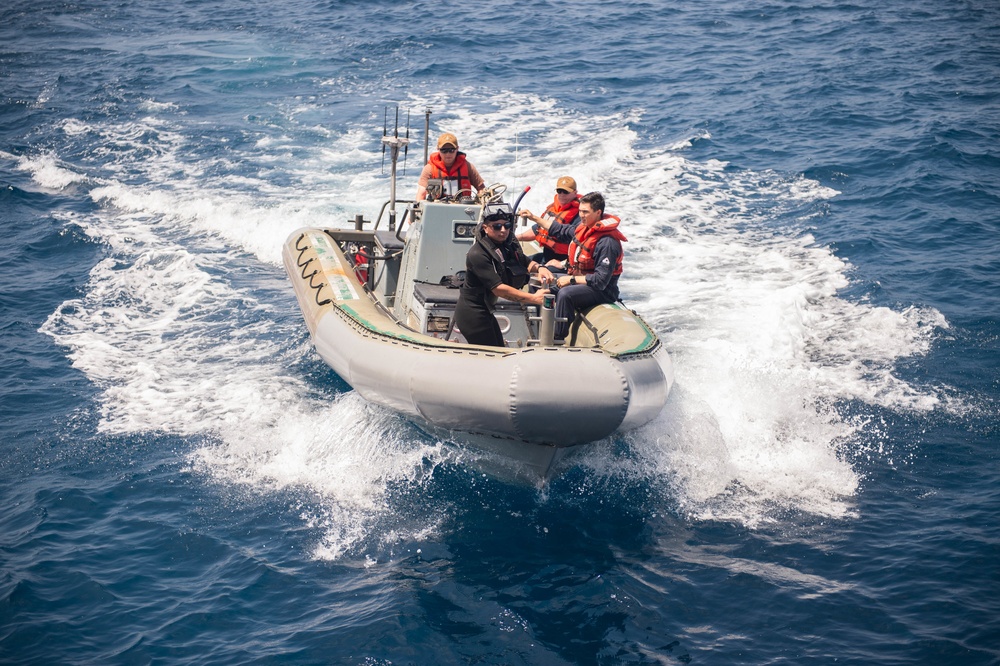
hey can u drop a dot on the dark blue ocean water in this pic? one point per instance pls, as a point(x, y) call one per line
point(812, 197)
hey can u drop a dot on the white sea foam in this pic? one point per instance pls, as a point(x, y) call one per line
point(746, 302)
point(765, 349)
point(153, 106)
point(48, 172)
point(175, 349)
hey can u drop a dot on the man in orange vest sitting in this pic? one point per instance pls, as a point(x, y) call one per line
point(564, 211)
point(594, 264)
point(458, 176)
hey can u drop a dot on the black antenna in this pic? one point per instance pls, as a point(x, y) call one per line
point(385, 127)
point(427, 132)
point(406, 147)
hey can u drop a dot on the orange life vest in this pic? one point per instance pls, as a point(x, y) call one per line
point(581, 251)
point(459, 172)
point(559, 215)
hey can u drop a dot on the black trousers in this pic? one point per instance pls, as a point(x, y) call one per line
point(572, 298)
point(478, 324)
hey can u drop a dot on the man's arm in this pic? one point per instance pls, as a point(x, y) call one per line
point(519, 296)
point(475, 179)
point(425, 175)
point(561, 233)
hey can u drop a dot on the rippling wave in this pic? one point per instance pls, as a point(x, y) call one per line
point(810, 199)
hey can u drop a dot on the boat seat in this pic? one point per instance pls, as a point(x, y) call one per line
point(435, 293)
point(387, 241)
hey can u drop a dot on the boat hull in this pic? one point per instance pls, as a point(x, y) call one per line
point(546, 396)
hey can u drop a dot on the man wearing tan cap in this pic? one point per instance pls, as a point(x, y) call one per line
point(564, 210)
point(458, 175)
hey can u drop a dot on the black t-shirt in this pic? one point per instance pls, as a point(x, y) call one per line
point(487, 266)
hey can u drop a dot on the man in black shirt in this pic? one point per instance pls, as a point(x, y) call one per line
point(495, 266)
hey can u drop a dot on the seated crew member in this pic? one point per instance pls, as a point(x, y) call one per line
point(495, 266)
point(563, 211)
point(594, 264)
point(458, 175)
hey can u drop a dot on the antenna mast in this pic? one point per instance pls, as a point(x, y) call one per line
point(427, 132)
point(394, 142)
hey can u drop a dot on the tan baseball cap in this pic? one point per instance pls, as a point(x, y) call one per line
point(566, 183)
point(447, 138)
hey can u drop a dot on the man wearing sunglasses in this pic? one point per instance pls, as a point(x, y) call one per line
point(563, 211)
point(495, 267)
point(458, 175)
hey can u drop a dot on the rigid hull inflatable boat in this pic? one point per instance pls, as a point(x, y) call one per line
point(379, 309)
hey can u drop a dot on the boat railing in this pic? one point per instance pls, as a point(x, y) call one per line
point(402, 220)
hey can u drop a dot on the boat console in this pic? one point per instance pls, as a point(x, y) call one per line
point(433, 263)
point(416, 277)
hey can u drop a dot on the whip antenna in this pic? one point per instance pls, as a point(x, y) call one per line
point(394, 143)
point(427, 131)
point(406, 146)
point(385, 126)
point(516, 145)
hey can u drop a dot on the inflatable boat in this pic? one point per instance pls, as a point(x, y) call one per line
point(379, 307)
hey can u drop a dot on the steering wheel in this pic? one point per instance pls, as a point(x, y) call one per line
point(492, 194)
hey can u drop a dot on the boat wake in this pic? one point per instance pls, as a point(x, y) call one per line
point(188, 326)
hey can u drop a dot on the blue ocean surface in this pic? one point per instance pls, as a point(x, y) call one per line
point(811, 193)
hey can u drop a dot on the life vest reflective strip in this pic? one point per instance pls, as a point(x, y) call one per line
point(581, 251)
point(459, 171)
point(564, 215)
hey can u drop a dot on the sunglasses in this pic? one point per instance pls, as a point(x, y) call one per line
point(448, 150)
point(500, 225)
point(562, 191)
